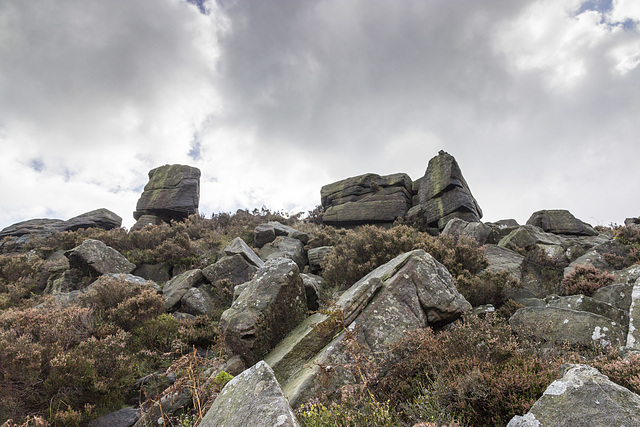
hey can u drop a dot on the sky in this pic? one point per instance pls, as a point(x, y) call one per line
point(538, 100)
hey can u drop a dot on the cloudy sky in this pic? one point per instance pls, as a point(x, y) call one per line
point(538, 100)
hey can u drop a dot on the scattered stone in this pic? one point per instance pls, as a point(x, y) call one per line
point(172, 193)
point(125, 417)
point(198, 301)
point(527, 236)
point(253, 398)
point(286, 247)
point(444, 194)
point(561, 325)
point(239, 247)
point(366, 199)
point(632, 222)
point(267, 233)
point(94, 259)
point(270, 306)
point(582, 397)
point(177, 287)
point(561, 222)
point(316, 257)
point(226, 274)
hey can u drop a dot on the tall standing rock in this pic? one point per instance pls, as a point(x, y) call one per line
point(444, 194)
point(172, 193)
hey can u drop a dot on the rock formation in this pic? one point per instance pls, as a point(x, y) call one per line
point(582, 397)
point(366, 199)
point(444, 194)
point(172, 193)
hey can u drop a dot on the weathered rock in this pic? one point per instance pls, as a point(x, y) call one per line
point(174, 289)
point(312, 288)
point(444, 193)
point(198, 301)
point(527, 236)
point(414, 291)
point(253, 398)
point(316, 256)
point(584, 303)
point(131, 279)
point(159, 273)
point(477, 231)
point(267, 233)
point(125, 417)
point(270, 306)
point(286, 247)
point(95, 258)
point(227, 273)
point(99, 218)
point(145, 220)
point(582, 397)
point(561, 325)
point(618, 295)
point(633, 337)
point(239, 247)
point(597, 257)
point(169, 403)
point(560, 222)
point(34, 226)
point(630, 222)
point(368, 198)
point(501, 259)
point(56, 265)
point(172, 193)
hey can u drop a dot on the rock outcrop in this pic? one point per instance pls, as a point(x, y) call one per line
point(253, 398)
point(561, 222)
point(444, 194)
point(411, 291)
point(582, 397)
point(366, 199)
point(94, 258)
point(268, 308)
point(172, 193)
point(21, 232)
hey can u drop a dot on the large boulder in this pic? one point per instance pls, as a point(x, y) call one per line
point(253, 398)
point(287, 247)
point(444, 194)
point(99, 218)
point(561, 222)
point(94, 258)
point(172, 193)
point(502, 259)
point(316, 257)
point(411, 291)
point(582, 397)
point(561, 325)
point(477, 231)
point(366, 199)
point(269, 307)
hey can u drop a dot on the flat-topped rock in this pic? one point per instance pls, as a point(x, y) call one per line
point(172, 193)
point(366, 199)
point(560, 221)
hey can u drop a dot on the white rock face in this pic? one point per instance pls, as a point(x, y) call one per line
point(633, 337)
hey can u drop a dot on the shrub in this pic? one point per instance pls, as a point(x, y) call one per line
point(629, 236)
point(20, 276)
point(486, 288)
point(625, 372)
point(359, 251)
point(586, 280)
point(123, 303)
point(476, 371)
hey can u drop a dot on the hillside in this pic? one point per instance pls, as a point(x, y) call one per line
point(391, 304)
